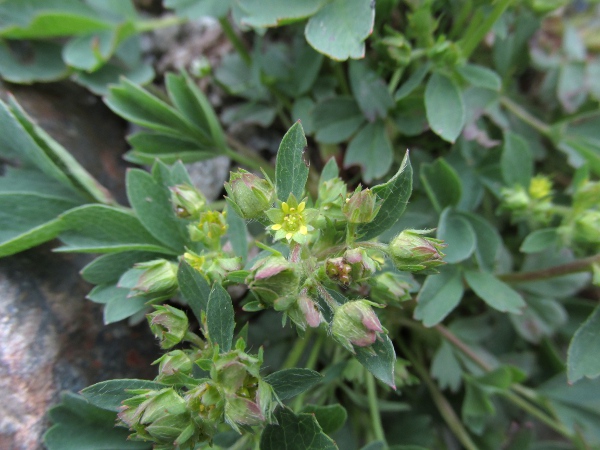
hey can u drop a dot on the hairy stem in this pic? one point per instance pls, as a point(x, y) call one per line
point(235, 40)
point(297, 351)
point(374, 409)
point(525, 116)
point(580, 265)
point(443, 405)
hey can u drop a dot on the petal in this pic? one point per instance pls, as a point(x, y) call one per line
point(288, 236)
point(285, 207)
point(301, 206)
point(303, 230)
point(276, 227)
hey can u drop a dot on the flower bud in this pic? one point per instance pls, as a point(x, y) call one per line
point(206, 404)
point(361, 207)
point(305, 312)
point(389, 287)
point(337, 269)
point(273, 278)
point(587, 228)
point(150, 406)
point(398, 49)
point(187, 201)
point(174, 367)
point(219, 268)
point(355, 323)
point(251, 194)
point(209, 229)
point(362, 265)
point(412, 252)
point(332, 194)
point(540, 187)
point(160, 276)
point(168, 324)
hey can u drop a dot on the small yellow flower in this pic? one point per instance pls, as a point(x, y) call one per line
point(540, 187)
point(291, 220)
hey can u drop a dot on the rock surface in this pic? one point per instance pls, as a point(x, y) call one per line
point(53, 339)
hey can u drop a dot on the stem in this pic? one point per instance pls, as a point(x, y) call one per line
point(514, 398)
point(441, 402)
point(297, 351)
point(310, 364)
point(373, 408)
point(454, 340)
point(194, 339)
point(155, 24)
point(339, 74)
point(581, 265)
point(525, 116)
point(469, 43)
point(235, 40)
point(246, 156)
point(526, 406)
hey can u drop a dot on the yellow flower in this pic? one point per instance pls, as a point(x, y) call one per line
point(540, 187)
point(291, 220)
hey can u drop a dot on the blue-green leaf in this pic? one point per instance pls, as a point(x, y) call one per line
point(440, 294)
point(109, 394)
point(295, 432)
point(371, 149)
point(291, 170)
point(379, 359)
point(494, 292)
point(194, 288)
point(394, 197)
point(458, 234)
point(220, 318)
point(288, 383)
point(582, 358)
point(442, 184)
point(445, 107)
point(516, 162)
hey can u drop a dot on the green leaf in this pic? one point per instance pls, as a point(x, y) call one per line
point(78, 178)
point(413, 82)
point(330, 171)
point(29, 219)
point(442, 184)
point(136, 71)
point(339, 29)
point(104, 293)
point(331, 418)
point(444, 106)
point(273, 13)
point(249, 114)
point(104, 229)
point(194, 9)
point(336, 119)
point(369, 90)
point(194, 288)
point(288, 383)
point(220, 318)
point(109, 268)
point(55, 18)
point(291, 170)
point(542, 318)
point(137, 105)
point(409, 115)
point(540, 240)
point(379, 359)
point(575, 405)
point(445, 367)
point(480, 76)
point(494, 292)
point(488, 240)
point(152, 204)
point(44, 63)
point(295, 432)
point(120, 306)
point(371, 149)
point(582, 358)
point(109, 394)
point(394, 196)
point(82, 426)
point(237, 234)
point(438, 297)
point(516, 162)
point(149, 146)
point(458, 234)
